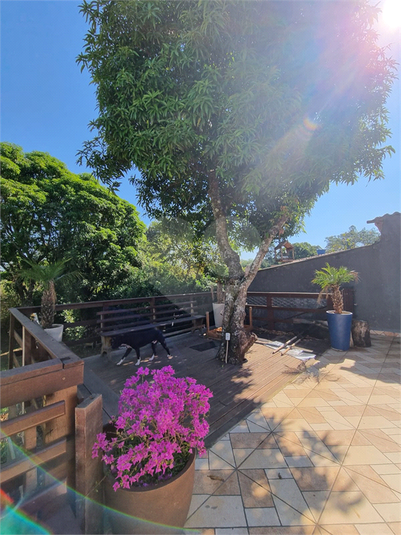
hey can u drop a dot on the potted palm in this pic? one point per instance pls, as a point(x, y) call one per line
point(149, 449)
point(339, 321)
point(45, 275)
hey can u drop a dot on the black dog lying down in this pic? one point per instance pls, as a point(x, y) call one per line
point(136, 340)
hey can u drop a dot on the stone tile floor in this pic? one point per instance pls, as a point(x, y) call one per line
point(322, 457)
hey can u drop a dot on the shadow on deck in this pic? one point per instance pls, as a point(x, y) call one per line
point(237, 391)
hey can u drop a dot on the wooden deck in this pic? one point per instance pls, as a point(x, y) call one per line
point(236, 390)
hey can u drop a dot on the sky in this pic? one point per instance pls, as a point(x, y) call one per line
point(47, 104)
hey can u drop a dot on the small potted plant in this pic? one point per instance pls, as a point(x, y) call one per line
point(339, 321)
point(45, 275)
point(149, 450)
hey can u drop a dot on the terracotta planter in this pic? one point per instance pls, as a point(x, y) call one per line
point(144, 507)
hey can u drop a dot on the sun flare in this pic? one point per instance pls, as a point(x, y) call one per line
point(392, 13)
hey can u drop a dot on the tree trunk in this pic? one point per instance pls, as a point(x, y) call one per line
point(233, 350)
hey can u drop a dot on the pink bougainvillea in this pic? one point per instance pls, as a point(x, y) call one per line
point(160, 422)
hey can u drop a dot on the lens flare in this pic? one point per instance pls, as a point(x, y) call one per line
point(310, 124)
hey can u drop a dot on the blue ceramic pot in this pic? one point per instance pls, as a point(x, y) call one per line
point(339, 329)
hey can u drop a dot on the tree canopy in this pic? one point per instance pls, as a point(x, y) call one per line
point(351, 239)
point(49, 214)
point(236, 110)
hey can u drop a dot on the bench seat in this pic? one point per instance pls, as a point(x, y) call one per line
point(116, 322)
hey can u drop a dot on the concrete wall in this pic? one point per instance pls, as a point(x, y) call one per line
point(377, 294)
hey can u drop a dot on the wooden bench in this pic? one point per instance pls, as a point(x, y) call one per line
point(169, 318)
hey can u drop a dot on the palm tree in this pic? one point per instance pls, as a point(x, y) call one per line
point(330, 279)
point(46, 275)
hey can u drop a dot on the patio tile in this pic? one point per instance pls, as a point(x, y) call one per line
point(293, 424)
point(218, 512)
point(348, 508)
point(315, 479)
point(202, 463)
point(263, 516)
point(386, 438)
point(334, 438)
point(374, 422)
point(278, 473)
point(391, 512)
point(208, 481)
point(287, 490)
point(256, 417)
point(255, 428)
point(223, 449)
point(373, 529)
point(230, 487)
point(240, 428)
point(248, 440)
point(364, 455)
point(264, 458)
point(316, 501)
point(383, 469)
point(374, 491)
point(366, 471)
point(255, 494)
point(281, 530)
point(231, 531)
point(291, 517)
point(196, 502)
point(344, 483)
point(298, 461)
point(395, 527)
point(393, 481)
point(241, 454)
point(344, 529)
point(217, 463)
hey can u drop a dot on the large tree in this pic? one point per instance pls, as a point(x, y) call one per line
point(237, 111)
point(49, 214)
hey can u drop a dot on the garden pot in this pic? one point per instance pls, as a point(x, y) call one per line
point(218, 311)
point(166, 504)
point(56, 331)
point(339, 329)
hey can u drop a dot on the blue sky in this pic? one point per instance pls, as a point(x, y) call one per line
point(47, 103)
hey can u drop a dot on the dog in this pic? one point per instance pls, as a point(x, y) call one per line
point(136, 340)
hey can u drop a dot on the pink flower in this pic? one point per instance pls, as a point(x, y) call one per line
point(161, 419)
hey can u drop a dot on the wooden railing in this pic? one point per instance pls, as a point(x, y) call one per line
point(270, 309)
point(88, 312)
point(38, 400)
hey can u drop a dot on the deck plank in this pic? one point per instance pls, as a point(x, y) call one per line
point(237, 390)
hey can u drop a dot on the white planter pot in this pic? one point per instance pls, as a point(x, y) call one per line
point(56, 331)
point(218, 311)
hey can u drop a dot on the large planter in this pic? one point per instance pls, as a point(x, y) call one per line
point(56, 331)
point(143, 508)
point(339, 329)
point(218, 311)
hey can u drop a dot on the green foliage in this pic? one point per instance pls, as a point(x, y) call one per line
point(46, 275)
point(242, 110)
point(351, 239)
point(330, 279)
point(329, 276)
point(49, 213)
point(304, 250)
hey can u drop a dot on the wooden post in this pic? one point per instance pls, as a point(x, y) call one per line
point(270, 312)
point(89, 474)
point(11, 343)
